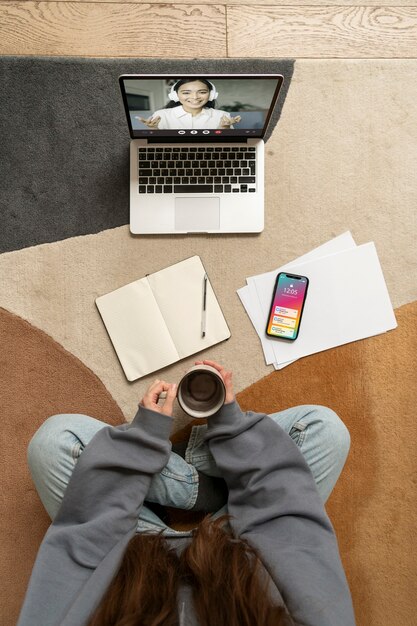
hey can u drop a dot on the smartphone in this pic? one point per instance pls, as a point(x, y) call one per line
point(287, 306)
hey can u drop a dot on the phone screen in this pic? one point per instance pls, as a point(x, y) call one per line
point(287, 306)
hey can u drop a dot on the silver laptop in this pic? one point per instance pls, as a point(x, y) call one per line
point(197, 151)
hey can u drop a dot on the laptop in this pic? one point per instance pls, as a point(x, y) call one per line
point(197, 151)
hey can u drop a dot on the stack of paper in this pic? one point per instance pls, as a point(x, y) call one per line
point(347, 300)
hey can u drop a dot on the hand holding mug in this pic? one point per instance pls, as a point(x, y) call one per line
point(204, 389)
point(226, 376)
point(158, 390)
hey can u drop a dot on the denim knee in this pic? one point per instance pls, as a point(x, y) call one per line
point(60, 437)
point(334, 430)
point(42, 442)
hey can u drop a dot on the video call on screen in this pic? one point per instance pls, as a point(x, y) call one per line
point(240, 106)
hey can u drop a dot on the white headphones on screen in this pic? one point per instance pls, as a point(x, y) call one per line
point(173, 95)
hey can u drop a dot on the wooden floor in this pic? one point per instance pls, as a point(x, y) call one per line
point(185, 29)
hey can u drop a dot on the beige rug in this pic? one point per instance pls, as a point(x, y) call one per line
point(342, 158)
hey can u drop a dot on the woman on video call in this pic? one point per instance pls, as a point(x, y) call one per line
point(192, 105)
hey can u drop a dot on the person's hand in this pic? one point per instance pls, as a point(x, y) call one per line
point(160, 388)
point(227, 379)
point(151, 122)
point(226, 121)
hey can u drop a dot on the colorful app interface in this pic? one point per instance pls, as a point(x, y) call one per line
point(287, 306)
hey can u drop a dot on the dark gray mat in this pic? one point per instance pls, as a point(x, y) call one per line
point(64, 151)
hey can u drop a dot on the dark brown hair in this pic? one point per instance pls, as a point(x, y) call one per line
point(230, 587)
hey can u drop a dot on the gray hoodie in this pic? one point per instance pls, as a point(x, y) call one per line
point(273, 501)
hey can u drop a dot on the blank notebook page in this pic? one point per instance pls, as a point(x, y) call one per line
point(179, 292)
point(137, 329)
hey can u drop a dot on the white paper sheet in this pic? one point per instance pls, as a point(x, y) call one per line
point(347, 300)
point(249, 294)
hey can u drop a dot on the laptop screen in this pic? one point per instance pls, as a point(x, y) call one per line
point(197, 107)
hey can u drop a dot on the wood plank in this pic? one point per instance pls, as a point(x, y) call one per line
point(112, 29)
point(322, 32)
point(300, 3)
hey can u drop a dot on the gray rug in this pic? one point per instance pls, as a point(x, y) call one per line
point(64, 167)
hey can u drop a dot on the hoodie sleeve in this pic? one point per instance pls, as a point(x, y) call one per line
point(98, 516)
point(275, 505)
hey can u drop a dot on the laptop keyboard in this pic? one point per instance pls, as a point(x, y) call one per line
point(201, 169)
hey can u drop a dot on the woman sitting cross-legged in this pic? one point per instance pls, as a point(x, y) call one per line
point(265, 554)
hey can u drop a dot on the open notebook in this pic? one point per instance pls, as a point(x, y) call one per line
point(157, 320)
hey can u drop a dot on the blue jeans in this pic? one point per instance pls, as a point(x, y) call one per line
point(55, 448)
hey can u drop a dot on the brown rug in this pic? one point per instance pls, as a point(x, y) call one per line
point(38, 378)
point(371, 384)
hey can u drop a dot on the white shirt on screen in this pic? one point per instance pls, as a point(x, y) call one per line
point(172, 119)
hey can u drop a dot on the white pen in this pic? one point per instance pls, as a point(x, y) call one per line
point(204, 311)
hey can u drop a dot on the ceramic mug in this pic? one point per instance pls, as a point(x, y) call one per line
point(201, 392)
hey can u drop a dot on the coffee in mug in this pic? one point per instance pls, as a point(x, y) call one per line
point(201, 392)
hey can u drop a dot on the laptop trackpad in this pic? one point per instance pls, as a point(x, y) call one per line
point(197, 214)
